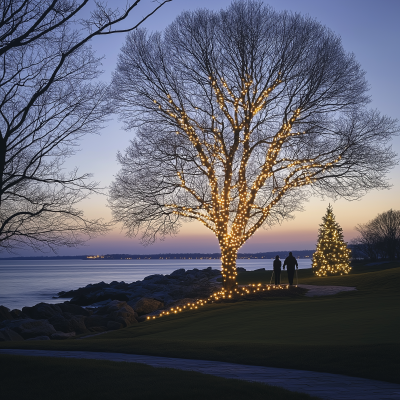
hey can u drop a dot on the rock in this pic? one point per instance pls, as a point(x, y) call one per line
point(69, 323)
point(62, 335)
point(126, 320)
point(5, 313)
point(151, 286)
point(31, 328)
point(109, 294)
point(8, 335)
point(98, 329)
point(118, 311)
point(166, 289)
point(119, 285)
point(241, 269)
point(18, 314)
point(39, 338)
point(182, 302)
point(147, 305)
point(190, 278)
point(114, 325)
point(84, 291)
point(42, 311)
point(157, 279)
point(119, 305)
point(161, 296)
point(178, 273)
point(96, 321)
point(74, 309)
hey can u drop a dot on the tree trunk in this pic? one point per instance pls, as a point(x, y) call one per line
point(228, 260)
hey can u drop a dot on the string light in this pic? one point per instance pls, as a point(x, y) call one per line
point(221, 295)
point(231, 208)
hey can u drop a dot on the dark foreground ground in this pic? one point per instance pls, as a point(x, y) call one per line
point(354, 333)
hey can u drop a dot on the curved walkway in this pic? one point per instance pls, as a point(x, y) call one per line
point(325, 385)
point(314, 290)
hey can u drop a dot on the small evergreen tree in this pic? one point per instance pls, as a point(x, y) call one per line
point(332, 255)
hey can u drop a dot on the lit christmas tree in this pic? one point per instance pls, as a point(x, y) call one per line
point(332, 256)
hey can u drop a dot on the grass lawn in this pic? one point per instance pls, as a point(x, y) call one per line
point(65, 379)
point(354, 333)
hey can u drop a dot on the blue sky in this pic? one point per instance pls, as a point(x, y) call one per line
point(368, 28)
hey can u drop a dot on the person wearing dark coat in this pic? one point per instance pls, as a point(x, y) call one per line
point(291, 264)
point(277, 270)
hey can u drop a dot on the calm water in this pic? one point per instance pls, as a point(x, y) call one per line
point(26, 283)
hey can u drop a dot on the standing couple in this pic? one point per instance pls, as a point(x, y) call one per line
point(291, 264)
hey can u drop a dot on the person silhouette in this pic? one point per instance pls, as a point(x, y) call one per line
point(291, 264)
point(277, 270)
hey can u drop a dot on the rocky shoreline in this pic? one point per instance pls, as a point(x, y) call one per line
point(103, 307)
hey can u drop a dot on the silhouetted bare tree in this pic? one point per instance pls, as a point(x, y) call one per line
point(235, 114)
point(48, 100)
point(380, 238)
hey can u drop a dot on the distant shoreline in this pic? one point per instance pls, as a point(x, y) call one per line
point(168, 256)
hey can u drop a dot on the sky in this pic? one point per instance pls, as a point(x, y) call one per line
point(368, 28)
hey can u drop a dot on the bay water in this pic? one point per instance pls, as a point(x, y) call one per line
point(28, 282)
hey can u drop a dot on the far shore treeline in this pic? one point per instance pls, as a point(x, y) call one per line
point(170, 256)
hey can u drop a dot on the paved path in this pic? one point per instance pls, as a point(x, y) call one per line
point(314, 290)
point(324, 385)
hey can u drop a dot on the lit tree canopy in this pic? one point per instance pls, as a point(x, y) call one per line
point(235, 114)
point(332, 256)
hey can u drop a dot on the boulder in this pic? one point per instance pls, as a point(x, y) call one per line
point(74, 309)
point(18, 314)
point(69, 323)
point(106, 294)
point(118, 311)
point(162, 296)
point(39, 338)
point(113, 325)
point(62, 335)
point(178, 273)
point(158, 279)
point(84, 291)
point(8, 335)
point(42, 311)
point(96, 321)
point(116, 305)
point(182, 302)
point(5, 313)
point(147, 305)
point(98, 329)
point(125, 319)
point(31, 328)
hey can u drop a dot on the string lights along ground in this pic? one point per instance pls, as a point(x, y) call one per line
point(223, 294)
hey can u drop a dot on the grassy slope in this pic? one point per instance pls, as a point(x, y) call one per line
point(65, 379)
point(355, 333)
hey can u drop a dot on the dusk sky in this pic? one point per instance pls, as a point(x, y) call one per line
point(368, 28)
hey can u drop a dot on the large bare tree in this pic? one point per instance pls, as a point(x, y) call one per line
point(49, 98)
point(240, 115)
